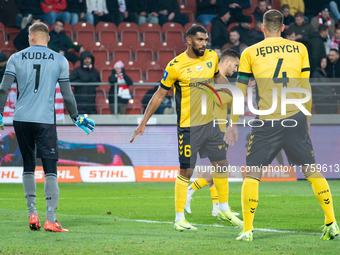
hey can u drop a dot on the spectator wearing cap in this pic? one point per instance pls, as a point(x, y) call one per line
point(219, 35)
point(324, 19)
point(206, 10)
point(302, 28)
point(119, 76)
point(260, 10)
point(3, 62)
point(294, 5)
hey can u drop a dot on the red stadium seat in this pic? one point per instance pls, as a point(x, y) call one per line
point(190, 24)
point(234, 24)
point(188, 12)
point(105, 64)
point(154, 75)
point(129, 32)
point(135, 73)
point(120, 51)
point(134, 106)
point(101, 102)
point(85, 32)
point(139, 91)
point(105, 73)
point(143, 53)
point(12, 32)
point(151, 65)
point(164, 56)
point(165, 46)
point(181, 47)
point(251, 9)
point(7, 47)
point(99, 51)
point(173, 32)
point(107, 32)
point(151, 33)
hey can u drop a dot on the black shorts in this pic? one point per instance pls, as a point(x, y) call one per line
point(44, 136)
point(203, 153)
point(266, 142)
point(205, 139)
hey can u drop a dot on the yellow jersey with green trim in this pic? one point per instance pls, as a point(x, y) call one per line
point(275, 62)
point(193, 80)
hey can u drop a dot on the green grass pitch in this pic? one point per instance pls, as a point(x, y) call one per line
point(136, 218)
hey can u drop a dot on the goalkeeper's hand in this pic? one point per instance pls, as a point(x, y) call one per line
point(85, 124)
point(1, 123)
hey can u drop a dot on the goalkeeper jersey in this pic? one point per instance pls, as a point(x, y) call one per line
point(37, 70)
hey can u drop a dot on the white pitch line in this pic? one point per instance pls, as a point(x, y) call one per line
point(219, 226)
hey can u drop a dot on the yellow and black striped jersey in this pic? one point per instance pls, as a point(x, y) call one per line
point(275, 62)
point(193, 79)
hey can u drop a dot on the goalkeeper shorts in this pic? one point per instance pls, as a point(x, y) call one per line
point(44, 136)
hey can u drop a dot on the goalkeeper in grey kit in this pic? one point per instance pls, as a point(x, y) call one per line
point(37, 70)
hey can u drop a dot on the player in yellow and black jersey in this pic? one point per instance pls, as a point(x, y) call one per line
point(193, 74)
point(278, 63)
point(229, 61)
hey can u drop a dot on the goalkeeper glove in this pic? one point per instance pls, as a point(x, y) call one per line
point(1, 123)
point(85, 124)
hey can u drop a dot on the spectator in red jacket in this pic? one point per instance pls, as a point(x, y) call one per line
point(54, 9)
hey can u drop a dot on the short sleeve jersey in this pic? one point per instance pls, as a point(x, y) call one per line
point(275, 62)
point(192, 80)
point(37, 70)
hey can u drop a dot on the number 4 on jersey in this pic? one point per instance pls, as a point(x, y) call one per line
point(284, 80)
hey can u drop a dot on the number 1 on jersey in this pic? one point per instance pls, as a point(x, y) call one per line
point(284, 80)
point(37, 77)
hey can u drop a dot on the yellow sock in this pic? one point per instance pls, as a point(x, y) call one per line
point(214, 196)
point(181, 188)
point(249, 198)
point(222, 186)
point(323, 195)
point(199, 183)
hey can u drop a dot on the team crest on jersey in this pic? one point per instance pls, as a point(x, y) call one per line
point(199, 68)
point(209, 64)
point(165, 75)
